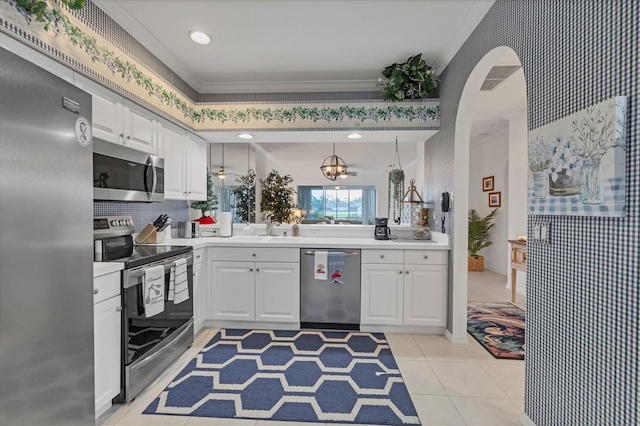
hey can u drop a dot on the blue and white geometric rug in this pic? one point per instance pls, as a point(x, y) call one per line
point(302, 376)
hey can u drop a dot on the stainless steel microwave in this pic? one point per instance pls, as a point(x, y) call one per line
point(124, 174)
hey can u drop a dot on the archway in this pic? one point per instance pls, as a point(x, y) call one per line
point(464, 120)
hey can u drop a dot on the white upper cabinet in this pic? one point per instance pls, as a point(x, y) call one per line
point(140, 128)
point(172, 142)
point(118, 120)
point(185, 163)
point(196, 171)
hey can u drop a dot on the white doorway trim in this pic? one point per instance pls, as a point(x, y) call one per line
point(464, 119)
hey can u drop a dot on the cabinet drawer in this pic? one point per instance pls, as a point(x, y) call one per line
point(381, 256)
point(106, 286)
point(258, 254)
point(425, 257)
point(198, 256)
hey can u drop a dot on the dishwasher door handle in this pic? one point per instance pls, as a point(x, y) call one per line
point(346, 253)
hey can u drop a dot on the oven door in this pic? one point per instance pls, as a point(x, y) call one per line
point(141, 334)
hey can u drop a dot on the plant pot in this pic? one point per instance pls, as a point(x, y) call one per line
point(476, 263)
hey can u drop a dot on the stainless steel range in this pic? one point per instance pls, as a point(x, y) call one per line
point(149, 344)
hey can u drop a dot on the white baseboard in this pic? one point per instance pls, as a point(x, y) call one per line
point(459, 339)
point(525, 420)
point(414, 329)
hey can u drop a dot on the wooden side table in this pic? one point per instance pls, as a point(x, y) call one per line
point(518, 262)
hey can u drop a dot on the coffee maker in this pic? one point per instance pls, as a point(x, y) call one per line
point(382, 231)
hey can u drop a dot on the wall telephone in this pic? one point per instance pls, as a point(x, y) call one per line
point(444, 205)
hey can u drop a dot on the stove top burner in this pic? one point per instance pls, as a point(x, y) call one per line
point(143, 254)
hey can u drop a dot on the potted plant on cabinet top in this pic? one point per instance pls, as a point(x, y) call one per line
point(412, 80)
point(479, 237)
point(277, 197)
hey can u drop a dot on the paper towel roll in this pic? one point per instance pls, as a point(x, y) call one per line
point(226, 224)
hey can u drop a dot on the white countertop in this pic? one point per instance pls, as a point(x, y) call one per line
point(310, 242)
point(104, 268)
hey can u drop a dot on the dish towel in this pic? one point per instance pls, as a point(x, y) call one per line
point(153, 290)
point(336, 266)
point(320, 265)
point(180, 283)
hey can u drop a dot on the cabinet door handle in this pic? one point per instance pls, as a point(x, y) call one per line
point(128, 137)
point(400, 272)
point(119, 308)
point(122, 135)
point(406, 272)
point(257, 269)
point(426, 257)
point(250, 269)
point(382, 256)
point(95, 291)
point(253, 254)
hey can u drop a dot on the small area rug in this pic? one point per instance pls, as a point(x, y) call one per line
point(499, 327)
point(301, 376)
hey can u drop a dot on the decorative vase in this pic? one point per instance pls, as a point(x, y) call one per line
point(564, 185)
point(476, 263)
point(591, 182)
point(540, 184)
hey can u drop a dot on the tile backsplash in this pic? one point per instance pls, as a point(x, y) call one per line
point(143, 213)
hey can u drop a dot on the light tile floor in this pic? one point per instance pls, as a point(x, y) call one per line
point(449, 384)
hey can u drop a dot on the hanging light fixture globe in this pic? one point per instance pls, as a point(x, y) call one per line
point(334, 167)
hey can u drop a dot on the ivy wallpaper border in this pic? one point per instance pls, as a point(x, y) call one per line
point(63, 36)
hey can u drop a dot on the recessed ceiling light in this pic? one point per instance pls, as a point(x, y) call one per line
point(200, 37)
point(354, 136)
point(245, 136)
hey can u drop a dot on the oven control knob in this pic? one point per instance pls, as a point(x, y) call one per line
point(114, 223)
point(128, 222)
point(120, 222)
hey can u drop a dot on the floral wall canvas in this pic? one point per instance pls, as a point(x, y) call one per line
point(577, 164)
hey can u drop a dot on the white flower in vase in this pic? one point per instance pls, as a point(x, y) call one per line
point(567, 156)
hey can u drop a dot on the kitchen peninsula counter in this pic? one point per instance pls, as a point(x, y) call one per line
point(440, 243)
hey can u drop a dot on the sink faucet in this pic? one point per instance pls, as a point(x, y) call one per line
point(270, 225)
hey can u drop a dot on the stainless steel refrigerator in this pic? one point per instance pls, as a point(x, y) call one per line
point(46, 248)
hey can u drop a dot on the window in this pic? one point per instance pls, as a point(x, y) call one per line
point(353, 204)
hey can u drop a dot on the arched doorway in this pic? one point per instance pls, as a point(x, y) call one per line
point(514, 186)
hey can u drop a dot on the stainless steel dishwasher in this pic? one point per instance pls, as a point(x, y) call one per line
point(328, 305)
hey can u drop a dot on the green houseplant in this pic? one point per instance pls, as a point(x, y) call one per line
point(479, 237)
point(212, 199)
point(413, 79)
point(277, 197)
point(245, 195)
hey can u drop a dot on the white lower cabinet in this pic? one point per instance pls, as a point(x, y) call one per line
point(107, 324)
point(381, 294)
point(233, 291)
point(262, 291)
point(201, 298)
point(277, 292)
point(404, 293)
point(425, 298)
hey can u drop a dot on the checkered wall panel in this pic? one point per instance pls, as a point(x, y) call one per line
point(583, 288)
point(144, 213)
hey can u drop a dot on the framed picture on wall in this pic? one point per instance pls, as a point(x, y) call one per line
point(487, 183)
point(495, 199)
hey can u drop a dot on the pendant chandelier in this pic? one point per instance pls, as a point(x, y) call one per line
point(334, 167)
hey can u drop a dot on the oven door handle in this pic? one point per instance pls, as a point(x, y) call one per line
point(167, 266)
